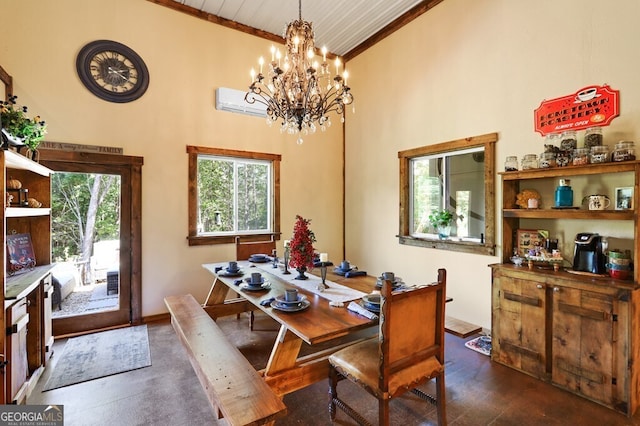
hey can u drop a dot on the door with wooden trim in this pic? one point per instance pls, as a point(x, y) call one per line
point(123, 276)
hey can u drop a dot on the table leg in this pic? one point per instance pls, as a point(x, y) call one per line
point(285, 352)
point(217, 293)
point(217, 305)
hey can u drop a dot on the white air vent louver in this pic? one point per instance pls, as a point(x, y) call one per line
point(233, 100)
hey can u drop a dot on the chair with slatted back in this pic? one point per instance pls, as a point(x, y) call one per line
point(408, 352)
point(245, 249)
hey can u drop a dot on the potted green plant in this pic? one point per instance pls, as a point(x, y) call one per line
point(441, 220)
point(18, 129)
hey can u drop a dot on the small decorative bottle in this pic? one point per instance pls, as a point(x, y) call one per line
point(564, 194)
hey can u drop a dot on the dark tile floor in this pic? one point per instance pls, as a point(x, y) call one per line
point(479, 392)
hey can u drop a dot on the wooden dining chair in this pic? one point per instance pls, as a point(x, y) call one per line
point(408, 352)
point(244, 250)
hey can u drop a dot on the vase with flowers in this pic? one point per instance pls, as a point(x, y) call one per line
point(18, 129)
point(301, 247)
point(441, 220)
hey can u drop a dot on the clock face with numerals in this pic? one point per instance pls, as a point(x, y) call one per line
point(112, 71)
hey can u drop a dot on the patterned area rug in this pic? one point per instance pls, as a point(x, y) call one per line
point(101, 354)
point(480, 344)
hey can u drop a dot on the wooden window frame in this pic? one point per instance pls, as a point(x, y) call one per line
point(197, 240)
point(488, 246)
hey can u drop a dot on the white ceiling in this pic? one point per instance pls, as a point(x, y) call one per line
point(340, 25)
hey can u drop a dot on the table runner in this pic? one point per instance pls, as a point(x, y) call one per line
point(335, 293)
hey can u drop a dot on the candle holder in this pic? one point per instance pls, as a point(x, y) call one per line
point(275, 258)
point(286, 261)
point(323, 275)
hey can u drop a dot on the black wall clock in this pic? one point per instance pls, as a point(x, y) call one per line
point(112, 71)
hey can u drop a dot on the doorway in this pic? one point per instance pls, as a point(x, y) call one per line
point(85, 234)
point(106, 267)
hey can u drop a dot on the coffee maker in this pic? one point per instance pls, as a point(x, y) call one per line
point(588, 254)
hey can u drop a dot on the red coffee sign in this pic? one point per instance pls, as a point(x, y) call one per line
point(588, 107)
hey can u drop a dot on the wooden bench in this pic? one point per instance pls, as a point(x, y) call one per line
point(234, 388)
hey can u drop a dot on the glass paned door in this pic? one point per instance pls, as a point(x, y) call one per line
point(85, 222)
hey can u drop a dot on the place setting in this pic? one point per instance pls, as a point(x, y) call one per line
point(255, 282)
point(347, 270)
point(396, 282)
point(232, 270)
point(371, 302)
point(368, 306)
point(290, 301)
point(259, 258)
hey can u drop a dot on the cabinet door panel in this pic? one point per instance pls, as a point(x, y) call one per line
point(583, 343)
point(522, 325)
point(17, 370)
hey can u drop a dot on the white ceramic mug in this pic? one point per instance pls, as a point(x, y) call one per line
point(598, 202)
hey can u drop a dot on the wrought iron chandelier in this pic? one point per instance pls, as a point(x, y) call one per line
point(296, 88)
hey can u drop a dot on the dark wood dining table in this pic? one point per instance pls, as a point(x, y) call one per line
point(333, 327)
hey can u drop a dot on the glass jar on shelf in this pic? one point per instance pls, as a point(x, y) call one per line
point(547, 159)
point(599, 154)
point(511, 164)
point(580, 156)
point(568, 140)
point(530, 161)
point(624, 151)
point(593, 137)
point(563, 158)
point(552, 140)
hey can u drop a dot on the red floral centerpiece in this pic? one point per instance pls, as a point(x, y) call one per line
point(301, 246)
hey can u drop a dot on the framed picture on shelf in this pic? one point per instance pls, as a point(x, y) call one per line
point(624, 198)
point(530, 239)
point(20, 255)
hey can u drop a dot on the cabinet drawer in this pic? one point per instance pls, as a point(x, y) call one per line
point(17, 317)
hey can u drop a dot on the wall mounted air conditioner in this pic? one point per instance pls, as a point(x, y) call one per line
point(233, 100)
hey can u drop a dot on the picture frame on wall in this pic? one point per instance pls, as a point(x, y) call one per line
point(624, 198)
point(527, 239)
point(20, 255)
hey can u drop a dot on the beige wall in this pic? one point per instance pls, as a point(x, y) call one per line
point(187, 59)
point(468, 68)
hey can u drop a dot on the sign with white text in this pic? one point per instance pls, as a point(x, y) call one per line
point(588, 107)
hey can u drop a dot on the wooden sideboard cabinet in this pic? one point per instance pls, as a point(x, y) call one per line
point(579, 334)
point(27, 343)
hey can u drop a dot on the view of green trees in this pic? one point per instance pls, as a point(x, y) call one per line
point(218, 181)
point(427, 193)
point(85, 208)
